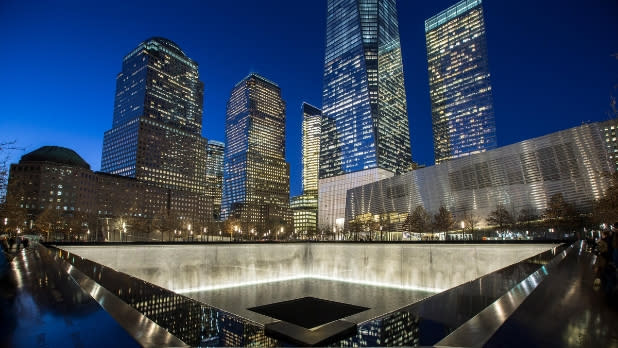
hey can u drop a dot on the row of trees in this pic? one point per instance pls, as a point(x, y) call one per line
point(56, 224)
point(559, 215)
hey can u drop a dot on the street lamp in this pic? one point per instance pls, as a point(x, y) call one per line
point(463, 226)
point(88, 233)
point(190, 232)
point(124, 229)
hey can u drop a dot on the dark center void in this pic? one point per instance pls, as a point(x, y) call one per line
point(308, 312)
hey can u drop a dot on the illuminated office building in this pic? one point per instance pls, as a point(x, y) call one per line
point(305, 206)
point(459, 82)
point(312, 118)
point(525, 175)
point(610, 132)
point(256, 177)
point(56, 182)
point(305, 215)
point(156, 129)
point(214, 174)
point(365, 135)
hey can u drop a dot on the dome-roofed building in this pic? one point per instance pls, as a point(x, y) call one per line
point(53, 191)
point(55, 154)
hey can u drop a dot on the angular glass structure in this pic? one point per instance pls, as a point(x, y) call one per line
point(574, 163)
point(256, 177)
point(459, 82)
point(365, 126)
point(157, 124)
point(214, 174)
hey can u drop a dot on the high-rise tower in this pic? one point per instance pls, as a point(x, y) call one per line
point(312, 118)
point(305, 206)
point(365, 134)
point(459, 82)
point(256, 184)
point(156, 130)
point(214, 174)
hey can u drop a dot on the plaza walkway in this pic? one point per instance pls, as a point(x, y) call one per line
point(565, 310)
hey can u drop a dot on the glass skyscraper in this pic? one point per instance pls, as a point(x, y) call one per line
point(156, 129)
point(214, 174)
point(256, 184)
point(365, 134)
point(305, 206)
point(459, 82)
point(312, 118)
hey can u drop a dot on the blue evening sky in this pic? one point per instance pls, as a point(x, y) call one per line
point(551, 64)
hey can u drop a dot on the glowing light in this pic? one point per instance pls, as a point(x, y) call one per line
point(299, 277)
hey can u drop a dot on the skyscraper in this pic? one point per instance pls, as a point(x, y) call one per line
point(312, 118)
point(459, 82)
point(156, 129)
point(365, 135)
point(305, 206)
point(256, 185)
point(214, 174)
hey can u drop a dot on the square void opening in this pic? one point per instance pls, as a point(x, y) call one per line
point(308, 312)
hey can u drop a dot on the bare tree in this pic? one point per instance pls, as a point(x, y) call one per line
point(471, 222)
point(500, 218)
point(525, 218)
point(559, 213)
point(47, 222)
point(606, 209)
point(419, 220)
point(6, 147)
point(443, 220)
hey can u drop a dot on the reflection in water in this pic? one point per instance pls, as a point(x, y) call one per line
point(197, 323)
point(194, 323)
point(43, 307)
point(380, 300)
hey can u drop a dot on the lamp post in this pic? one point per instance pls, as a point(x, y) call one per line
point(190, 232)
point(233, 230)
point(463, 225)
point(88, 233)
point(124, 230)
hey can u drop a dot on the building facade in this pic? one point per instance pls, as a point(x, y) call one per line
point(312, 123)
point(305, 215)
point(459, 82)
point(365, 133)
point(610, 132)
point(305, 206)
point(214, 174)
point(524, 175)
point(256, 177)
point(157, 123)
point(55, 191)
